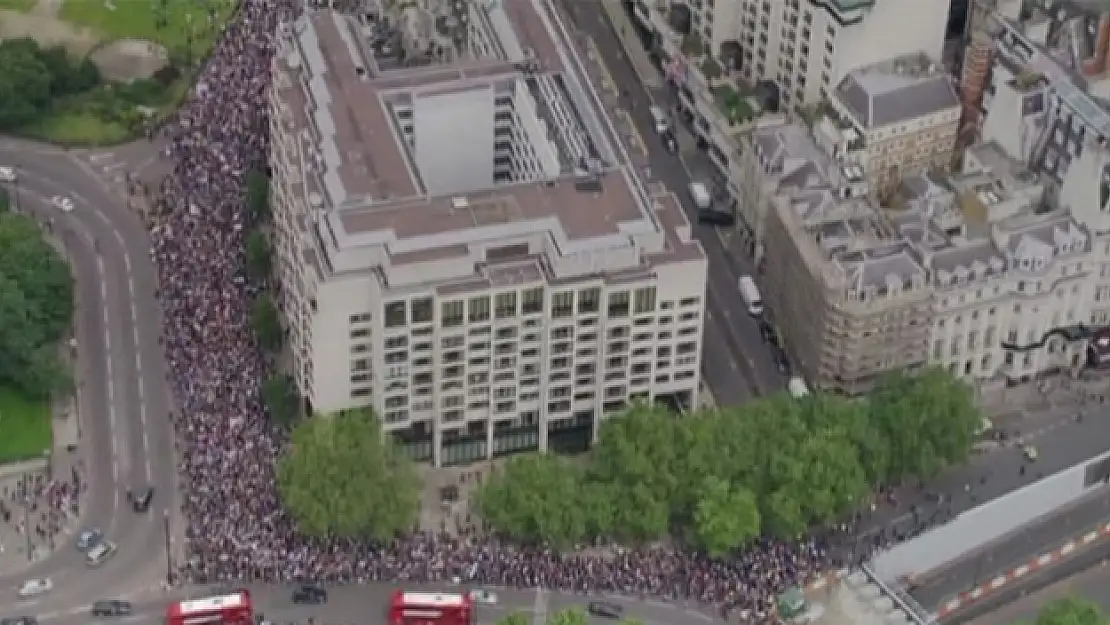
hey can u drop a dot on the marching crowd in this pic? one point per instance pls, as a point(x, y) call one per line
point(236, 528)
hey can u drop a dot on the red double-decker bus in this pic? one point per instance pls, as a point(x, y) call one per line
point(233, 608)
point(431, 608)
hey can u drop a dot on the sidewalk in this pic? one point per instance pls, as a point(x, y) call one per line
point(630, 42)
point(43, 495)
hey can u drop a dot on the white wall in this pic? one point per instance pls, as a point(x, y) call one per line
point(454, 140)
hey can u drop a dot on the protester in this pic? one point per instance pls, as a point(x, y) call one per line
point(236, 528)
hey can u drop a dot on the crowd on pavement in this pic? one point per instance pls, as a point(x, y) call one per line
point(236, 528)
point(39, 509)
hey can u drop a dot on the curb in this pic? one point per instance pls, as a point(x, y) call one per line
point(1045, 560)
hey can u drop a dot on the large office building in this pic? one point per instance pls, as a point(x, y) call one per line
point(805, 47)
point(969, 270)
point(464, 241)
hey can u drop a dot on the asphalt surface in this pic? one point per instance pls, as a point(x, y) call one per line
point(736, 362)
point(1085, 575)
point(122, 398)
point(353, 605)
point(1017, 549)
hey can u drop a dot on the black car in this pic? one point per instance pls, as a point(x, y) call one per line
point(716, 217)
point(20, 620)
point(604, 609)
point(140, 498)
point(783, 362)
point(310, 594)
point(769, 334)
point(111, 607)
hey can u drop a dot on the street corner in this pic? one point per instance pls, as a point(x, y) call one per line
point(1005, 579)
point(826, 580)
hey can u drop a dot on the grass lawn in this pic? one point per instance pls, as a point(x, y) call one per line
point(19, 6)
point(25, 427)
point(136, 19)
point(77, 128)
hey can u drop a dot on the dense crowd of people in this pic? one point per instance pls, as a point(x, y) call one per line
point(236, 528)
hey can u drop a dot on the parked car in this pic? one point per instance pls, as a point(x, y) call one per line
point(483, 597)
point(101, 553)
point(35, 587)
point(604, 609)
point(111, 607)
point(140, 498)
point(88, 538)
point(62, 203)
point(310, 594)
point(19, 620)
point(7, 174)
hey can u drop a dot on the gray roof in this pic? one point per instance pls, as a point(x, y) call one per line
point(879, 97)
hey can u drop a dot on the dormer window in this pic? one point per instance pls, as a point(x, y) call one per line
point(1039, 264)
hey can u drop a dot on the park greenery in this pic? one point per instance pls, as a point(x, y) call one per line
point(718, 479)
point(1070, 611)
point(569, 616)
point(49, 93)
point(341, 477)
point(36, 308)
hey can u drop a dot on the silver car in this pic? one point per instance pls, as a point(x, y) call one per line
point(100, 554)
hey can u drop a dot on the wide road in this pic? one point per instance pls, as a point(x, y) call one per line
point(1021, 547)
point(353, 605)
point(1086, 575)
point(733, 347)
point(122, 398)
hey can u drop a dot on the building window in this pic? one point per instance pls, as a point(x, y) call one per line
point(478, 310)
point(422, 310)
point(645, 300)
point(395, 314)
point(506, 305)
point(562, 304)
point(451, 314)
point(589, 301)
point(618, 304)
point(532, 301)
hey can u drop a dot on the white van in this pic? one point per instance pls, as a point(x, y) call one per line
point(750, 292)
point(797, 387)
point(659, 120)
point(700, 194)
point(7, 174)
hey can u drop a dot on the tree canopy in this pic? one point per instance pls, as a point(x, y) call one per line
point(1071, 611)
point(568, 616)
point(259, 259)
point(279, 394)
point(36, 308)
point(341, 478)
point(258, 195)
point(35, 76)
point(266, 323)
point(721, 478)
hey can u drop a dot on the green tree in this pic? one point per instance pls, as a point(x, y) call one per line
point(725, 517)
point(45, 373)
point(259, 258)
point(341, 477)
point(258, 195)
point(639, 455)
point(24, 85)
point(928, 421)
point(536, 497)
point(279, 394)
point(515, 618)
point(41, 273)
point(5, 201)
point(1071, 611)
point(266, 323)
point(19, 337)
point(569, 616)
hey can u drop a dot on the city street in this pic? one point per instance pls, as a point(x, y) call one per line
point(122, 400)
point(733, 345)
point(353, 605)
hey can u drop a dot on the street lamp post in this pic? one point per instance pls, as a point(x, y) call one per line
point(27, 518)
point(169, 552)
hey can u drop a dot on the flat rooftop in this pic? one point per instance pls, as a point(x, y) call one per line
point(338, 100)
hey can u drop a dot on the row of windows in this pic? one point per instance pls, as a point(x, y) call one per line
point(507, 305)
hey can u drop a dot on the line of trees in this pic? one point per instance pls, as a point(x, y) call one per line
point(36, 307)
point(721, 478)
point(279, 391)
point(568, 616)
point(1071, 611)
